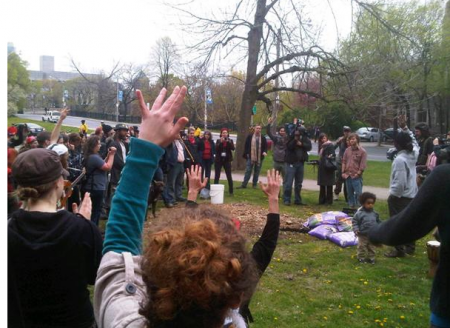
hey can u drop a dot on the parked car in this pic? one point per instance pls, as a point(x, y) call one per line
point(388, 134)
point(34, 129)
point(51, 116)
point(368, 134)
point(269, 142)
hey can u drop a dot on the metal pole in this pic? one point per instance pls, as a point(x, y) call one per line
point(117, 100)
point(206, 115)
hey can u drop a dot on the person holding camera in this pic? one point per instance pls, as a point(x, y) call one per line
point(255, 151)
point(441, 149)
point(224, 157)
point(296, 155)
point(279, 147)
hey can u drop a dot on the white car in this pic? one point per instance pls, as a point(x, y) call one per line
point(368, 134)
point(51, 116)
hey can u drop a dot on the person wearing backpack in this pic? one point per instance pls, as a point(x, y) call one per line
point(403, 187)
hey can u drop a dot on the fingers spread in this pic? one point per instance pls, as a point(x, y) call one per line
point(142, 104)
point(178, 101)
point(160, 99)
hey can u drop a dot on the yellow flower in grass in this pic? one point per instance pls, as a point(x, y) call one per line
point(350, 312)
point(402, 317)
point(325, 318)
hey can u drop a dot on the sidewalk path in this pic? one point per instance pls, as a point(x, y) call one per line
point(381, 193)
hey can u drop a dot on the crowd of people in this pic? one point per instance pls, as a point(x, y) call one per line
point(192, 268)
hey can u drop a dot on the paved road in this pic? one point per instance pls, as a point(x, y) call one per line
point(374, 152)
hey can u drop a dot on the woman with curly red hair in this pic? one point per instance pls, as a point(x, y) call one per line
point(195, 270)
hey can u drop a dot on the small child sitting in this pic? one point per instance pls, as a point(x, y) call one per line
point(365, 218)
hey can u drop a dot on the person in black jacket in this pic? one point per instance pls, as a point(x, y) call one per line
point(52, 255)
point(296, 155)
point(254, 152)
point(430, 208)
point(224, 157)
point(325, 174)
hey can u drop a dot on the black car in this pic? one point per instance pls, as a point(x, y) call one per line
point(34, 129)
point(388, 134)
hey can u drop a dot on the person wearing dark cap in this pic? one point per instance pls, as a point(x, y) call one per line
point(341, 143)
point(52, 255)
point(119, 141)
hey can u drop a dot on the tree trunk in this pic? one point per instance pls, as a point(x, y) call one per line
point(250, 91)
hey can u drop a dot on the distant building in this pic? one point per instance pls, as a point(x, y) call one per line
point(47, 63)
point(11, 48)
point(47, 71)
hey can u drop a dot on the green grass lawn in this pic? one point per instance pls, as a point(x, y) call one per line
point(47, 125)
point(377, 173)
point(314, 283)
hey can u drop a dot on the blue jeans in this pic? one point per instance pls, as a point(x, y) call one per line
point(248, 172)
point(354, 190)
point(293, 172)
point(172, 190)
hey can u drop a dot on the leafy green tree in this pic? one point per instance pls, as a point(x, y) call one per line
point(18, 83)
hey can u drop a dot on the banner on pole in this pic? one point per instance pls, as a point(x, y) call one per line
point(209, 100)
point(120, 95)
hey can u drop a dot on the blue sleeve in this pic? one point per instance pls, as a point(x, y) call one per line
point(129, 205)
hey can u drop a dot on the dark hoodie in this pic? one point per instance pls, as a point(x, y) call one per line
point(52, 257)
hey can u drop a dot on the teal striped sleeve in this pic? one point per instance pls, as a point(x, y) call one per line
point(129, 205)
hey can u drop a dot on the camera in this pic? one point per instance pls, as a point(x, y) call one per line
point(443, 140)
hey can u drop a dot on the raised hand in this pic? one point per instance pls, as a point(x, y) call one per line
point(194, 175)
point(85, 207)
point(63, 114)
point(157, 124)
point(272, 189)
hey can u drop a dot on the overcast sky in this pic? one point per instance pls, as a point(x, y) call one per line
point(98, 33)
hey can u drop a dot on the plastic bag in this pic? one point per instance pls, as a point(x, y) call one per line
point(323, 231)
point(344, 239)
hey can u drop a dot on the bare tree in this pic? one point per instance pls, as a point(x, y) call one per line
point(279, 22)
point(131, 77)
point(104, 86)
point(164, 58)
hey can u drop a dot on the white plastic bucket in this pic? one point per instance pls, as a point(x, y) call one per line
point(216, 193)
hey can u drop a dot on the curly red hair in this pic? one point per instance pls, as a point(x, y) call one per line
point(196, 267)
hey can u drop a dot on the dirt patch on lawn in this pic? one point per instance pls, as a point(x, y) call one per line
point(253, 218)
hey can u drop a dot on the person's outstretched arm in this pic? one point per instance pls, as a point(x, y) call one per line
point(124, 228)
point(264, 248)
point(57, 129)
point(430, 208)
